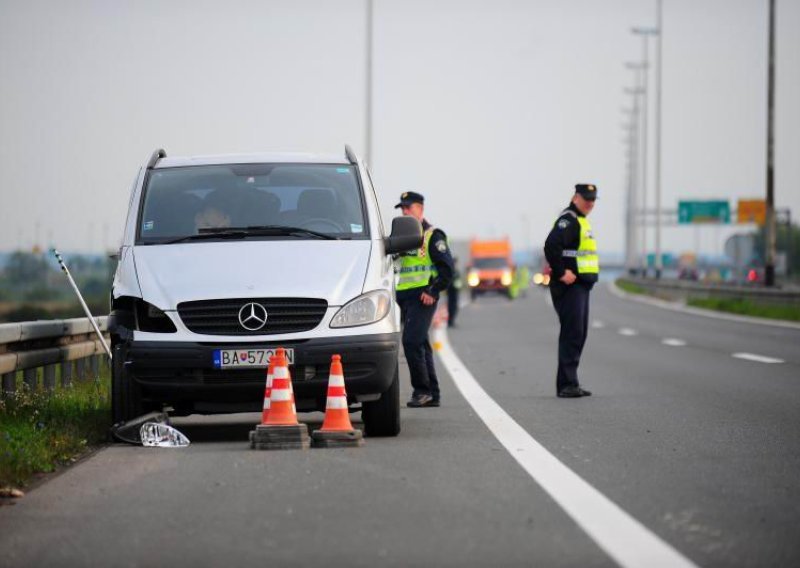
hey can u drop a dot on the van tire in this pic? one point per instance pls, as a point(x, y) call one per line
point(126, 400)
point(382, 417)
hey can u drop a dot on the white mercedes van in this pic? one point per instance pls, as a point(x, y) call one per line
point(226, 258)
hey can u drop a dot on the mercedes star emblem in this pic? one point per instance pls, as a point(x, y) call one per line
point(253, 316)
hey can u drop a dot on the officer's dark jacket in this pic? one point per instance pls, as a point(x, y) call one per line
point(565, 234)
point(442, 258)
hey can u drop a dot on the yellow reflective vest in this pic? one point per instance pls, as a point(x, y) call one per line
point(586, 254)
point(416, 267)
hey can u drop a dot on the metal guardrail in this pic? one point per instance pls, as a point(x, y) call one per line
point(46, 345)
point(687, 289)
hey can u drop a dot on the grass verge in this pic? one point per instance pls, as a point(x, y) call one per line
point(40, 430)
point(630, 287)
point(747, 308)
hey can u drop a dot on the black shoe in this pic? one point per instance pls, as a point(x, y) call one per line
point(573, 392)
point(419, 401)
point(435, 403)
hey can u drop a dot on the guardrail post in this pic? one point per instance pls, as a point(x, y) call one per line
point(49, 379)
point(31, 377)
point(66, 373)
point(80, 368)
point(10, 382)
point(95, 365)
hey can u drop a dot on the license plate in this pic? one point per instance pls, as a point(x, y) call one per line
point(246, 358)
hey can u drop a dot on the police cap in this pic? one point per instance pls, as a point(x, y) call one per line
point(587, 191)
point(409, 197)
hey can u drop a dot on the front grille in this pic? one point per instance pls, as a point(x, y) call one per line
point(221, 317)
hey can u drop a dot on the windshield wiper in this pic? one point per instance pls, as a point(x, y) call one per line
point(207, 234)
point(251, 231)
point(278, 230)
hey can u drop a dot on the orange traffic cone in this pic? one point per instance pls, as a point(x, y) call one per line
point(438, 317)
point(268, 390)
point(282, 411)
point(280, 429)
point(337, 431)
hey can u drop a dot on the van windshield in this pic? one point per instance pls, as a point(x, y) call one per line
point(490, 263)
point(181, 203)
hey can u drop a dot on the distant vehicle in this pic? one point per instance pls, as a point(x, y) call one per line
point(226, 258)
point(491, 268)
point(543, 278)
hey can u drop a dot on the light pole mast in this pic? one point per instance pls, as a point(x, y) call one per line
point(630, 165)
point(635, 179)
point(645, 33)
point(769, 268)
point(660, 34)
point(368, 87)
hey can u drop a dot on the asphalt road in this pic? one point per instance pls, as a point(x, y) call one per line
point(700, 447)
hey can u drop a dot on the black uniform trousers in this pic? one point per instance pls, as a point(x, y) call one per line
point(572, 306)
point(452, 305)
point(417, 318)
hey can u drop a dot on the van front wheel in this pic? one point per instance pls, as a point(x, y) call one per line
point(382, 417)
point(125, 397)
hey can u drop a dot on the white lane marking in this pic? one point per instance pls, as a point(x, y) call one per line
point(628, 331)
point(597, 324)
point(672, 342)
point(622, 537)
point(757, 358)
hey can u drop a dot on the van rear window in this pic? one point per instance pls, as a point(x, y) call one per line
point(180, 202)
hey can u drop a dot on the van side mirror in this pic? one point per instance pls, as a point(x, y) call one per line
point(406, 235)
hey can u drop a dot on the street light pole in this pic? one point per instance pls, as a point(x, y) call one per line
point(645, 33)
point(635, 92)
point(632, 257)
point(630, 165)
point(660, 29)
point(769, 267)
point(368, 87)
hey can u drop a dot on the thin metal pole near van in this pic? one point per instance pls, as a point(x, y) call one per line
point(83, 303)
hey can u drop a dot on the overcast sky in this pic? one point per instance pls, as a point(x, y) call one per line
point(492, 109)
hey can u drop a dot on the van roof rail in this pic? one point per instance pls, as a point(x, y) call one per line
point(157, 155)
point(351, 156)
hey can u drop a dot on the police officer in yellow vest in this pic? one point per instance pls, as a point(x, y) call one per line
point(572, 253)
point(423, 274)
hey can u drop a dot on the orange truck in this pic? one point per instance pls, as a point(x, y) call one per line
point(491, 268)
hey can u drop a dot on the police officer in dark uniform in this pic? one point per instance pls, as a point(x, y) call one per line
point(453, 293)
point(571, 250)
point(423, 274)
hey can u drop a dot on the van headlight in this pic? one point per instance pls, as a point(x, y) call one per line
point(153, 320)
point(473, 278)
point(365, 309)
point(506, 278)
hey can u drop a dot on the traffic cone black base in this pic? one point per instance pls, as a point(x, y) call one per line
point(323, 439)
point(293, 437)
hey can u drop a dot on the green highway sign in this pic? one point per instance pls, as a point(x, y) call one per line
point(704, 212)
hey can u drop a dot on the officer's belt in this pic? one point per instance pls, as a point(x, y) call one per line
point(576, 253)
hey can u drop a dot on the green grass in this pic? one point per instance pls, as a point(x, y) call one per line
point(630, 287)
point(747, 308)
point(39, 431)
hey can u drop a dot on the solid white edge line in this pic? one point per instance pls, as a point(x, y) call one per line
point(757, 358)
point(622, 537)
point(615, 290)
